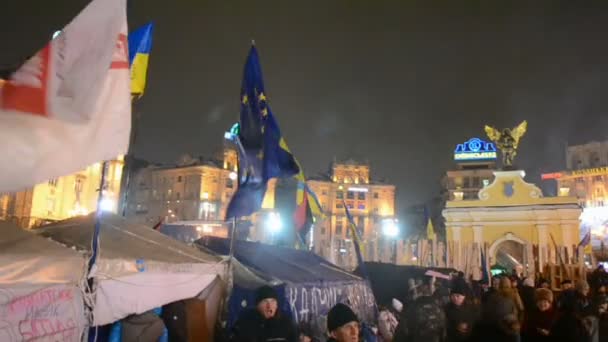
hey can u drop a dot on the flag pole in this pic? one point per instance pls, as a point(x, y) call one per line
point(129, 159)
point(98, 215)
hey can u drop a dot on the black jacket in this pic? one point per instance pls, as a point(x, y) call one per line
point(253, 327)
point(455, 315)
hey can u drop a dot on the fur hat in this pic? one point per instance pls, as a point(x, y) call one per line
point(265, 292)
point(529, 282)
point(543, 294)
point(460, 287)
point(340, 315)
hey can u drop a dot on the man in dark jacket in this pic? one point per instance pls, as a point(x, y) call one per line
point(265, 322)
point(422, 321)
point(460, 315)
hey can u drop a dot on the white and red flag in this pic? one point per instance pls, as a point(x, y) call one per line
point(69, 105)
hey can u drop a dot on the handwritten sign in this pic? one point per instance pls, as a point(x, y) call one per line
point(52, 313)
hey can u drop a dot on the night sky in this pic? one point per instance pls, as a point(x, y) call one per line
point(398, 83)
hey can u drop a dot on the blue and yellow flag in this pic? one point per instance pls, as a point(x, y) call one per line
point(356, 238)
point(263, 153)
point(140, 44)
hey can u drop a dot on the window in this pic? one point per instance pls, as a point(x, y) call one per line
point(375, 195)
point(339, 194)
point(339, 226)
point(475, 182)
point(466, 183)
point(179, 179)
point(324, 192)
point(598, 178)
point(361, 196)
point(177, 195)
point(229, 183)
point(53, 182)
point(361, 206)
point(176, 211)
point(339, 205)
point(350, 195)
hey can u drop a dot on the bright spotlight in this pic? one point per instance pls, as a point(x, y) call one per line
point(390, 228)
point(273, 222)
point(106, 204)
point(232, 175)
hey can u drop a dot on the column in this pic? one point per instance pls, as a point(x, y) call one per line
point(457, 247)
point(543, 238)
point(478, 234)
point(567, 240)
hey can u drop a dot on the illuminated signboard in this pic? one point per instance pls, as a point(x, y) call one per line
point(475, 150)
point(554, 175)
point(589, 172)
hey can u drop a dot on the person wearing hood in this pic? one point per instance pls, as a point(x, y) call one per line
point(461, 316)
point(540, 320)
point(528, 294)
point(265, 322)
point(342, 324)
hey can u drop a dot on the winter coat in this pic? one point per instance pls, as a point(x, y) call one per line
point(527, 297)
point(423, 321)
point(457, 315)
point(570, 327)
point(537, 320)
point(253, 327)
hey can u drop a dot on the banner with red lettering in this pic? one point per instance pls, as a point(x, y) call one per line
point(69, 106)
point(53, 313)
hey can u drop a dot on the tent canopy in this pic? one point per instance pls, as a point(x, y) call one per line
point(26, 258)
point(138, 268)
point(285, 264)
point(39, 283)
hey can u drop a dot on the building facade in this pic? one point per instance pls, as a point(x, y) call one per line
point(64, 197)
point(586, 179)
point(513, 224)
point(475, 164)
point(370, 203)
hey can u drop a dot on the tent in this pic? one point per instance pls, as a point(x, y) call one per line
point(39, 294)
point(390, 281)
point(308, 283)
point(138, 268)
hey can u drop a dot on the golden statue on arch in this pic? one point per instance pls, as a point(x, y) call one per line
point(507, 141)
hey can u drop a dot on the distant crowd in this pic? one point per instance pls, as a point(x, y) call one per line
point(511, 309)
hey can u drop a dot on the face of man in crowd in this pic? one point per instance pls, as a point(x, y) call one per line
point(567, 286)
point(543, 305)
point(495, 283)
point(349, 332)
point(268, 307)
point(584, 291)
point(457, 299)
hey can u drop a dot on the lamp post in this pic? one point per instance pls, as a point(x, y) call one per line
point(390, 230)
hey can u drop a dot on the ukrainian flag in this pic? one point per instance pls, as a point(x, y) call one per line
point(140, 44)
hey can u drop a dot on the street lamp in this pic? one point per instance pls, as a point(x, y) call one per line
point(274, 223)
point(391, 231)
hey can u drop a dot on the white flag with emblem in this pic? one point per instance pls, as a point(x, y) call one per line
point(69, 105)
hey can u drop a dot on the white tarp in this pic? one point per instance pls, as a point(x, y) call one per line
point(39, 296)
point(138, 268)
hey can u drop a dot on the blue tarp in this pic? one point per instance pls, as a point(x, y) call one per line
point(307, 284)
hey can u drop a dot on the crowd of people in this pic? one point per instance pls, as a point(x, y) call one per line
point(511, 308)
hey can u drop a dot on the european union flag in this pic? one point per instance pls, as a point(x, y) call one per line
point(140, 44)
point(263, 153)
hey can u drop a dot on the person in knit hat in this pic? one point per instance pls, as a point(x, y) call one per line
point(342, 324)
point(540, 320)
point(264, 322)
point(461, 316)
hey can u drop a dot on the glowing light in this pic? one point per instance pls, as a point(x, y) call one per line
point(232, 175)
point(390, 228)
point(354, 189)
point(273, 222)
point(207, 229)
point(205, 195)
point(57, 33)
point(106, 204)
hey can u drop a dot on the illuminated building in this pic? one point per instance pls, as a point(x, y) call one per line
point(586, 178)
point(475, 164)
point(63, 197)
point(509, 218)
point(369, 202)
